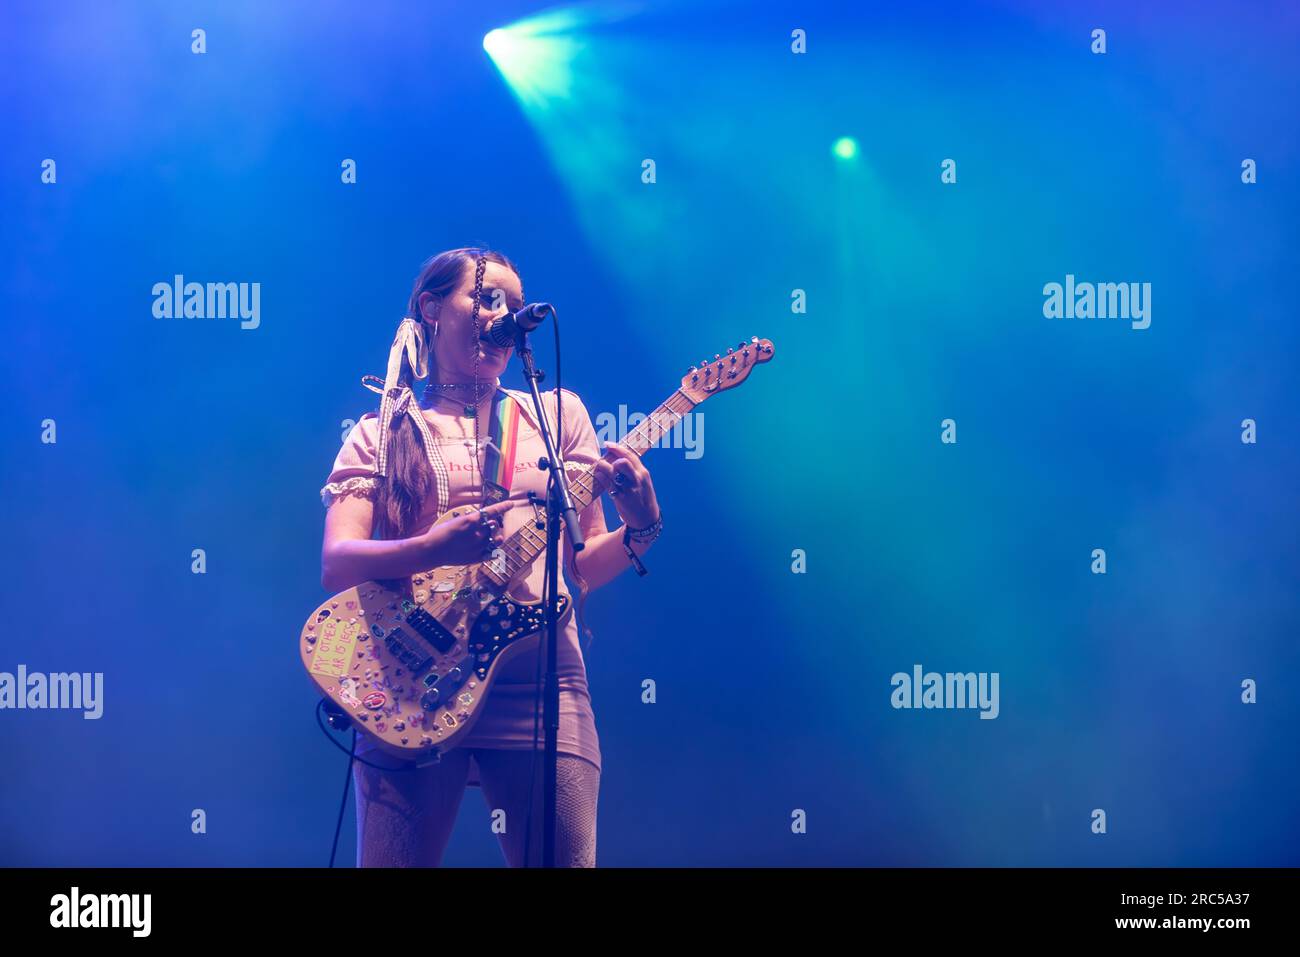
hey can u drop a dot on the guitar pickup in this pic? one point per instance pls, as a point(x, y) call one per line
point(413, 659)
point(431, 630)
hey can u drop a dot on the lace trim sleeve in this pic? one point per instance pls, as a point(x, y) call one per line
point(362, 485)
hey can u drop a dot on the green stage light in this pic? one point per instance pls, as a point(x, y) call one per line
point(845, 148)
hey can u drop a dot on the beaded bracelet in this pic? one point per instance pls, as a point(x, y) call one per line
point(641, 536)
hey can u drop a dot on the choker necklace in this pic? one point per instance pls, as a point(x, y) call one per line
point(439, 390)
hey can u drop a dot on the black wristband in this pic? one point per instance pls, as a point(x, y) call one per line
point(632, 555)
point(650, 532)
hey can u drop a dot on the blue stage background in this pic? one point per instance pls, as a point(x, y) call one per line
point(1120, 692)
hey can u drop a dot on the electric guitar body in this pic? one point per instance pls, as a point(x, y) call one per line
point(412, 661)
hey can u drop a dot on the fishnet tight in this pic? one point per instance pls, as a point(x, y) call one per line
point(405, 818)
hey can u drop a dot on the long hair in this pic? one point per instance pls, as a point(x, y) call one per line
point(401, 494)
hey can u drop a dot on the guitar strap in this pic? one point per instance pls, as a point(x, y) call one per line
point(499, 459)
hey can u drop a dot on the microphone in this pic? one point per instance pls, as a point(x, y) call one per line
point(508, 330)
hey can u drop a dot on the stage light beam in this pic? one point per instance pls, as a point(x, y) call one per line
point(535, 57)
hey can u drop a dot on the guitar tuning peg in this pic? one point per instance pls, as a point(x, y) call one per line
point(716, 356)
point(730, 350)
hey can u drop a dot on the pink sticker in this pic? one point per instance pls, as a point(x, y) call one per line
point(347, 692)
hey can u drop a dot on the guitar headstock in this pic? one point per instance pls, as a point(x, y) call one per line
point(725, 372)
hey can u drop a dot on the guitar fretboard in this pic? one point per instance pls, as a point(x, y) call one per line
point(529, 541)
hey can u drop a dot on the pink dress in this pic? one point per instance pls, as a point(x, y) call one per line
point(507, 720)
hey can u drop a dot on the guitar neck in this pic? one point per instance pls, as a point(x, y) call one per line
point(585, 486)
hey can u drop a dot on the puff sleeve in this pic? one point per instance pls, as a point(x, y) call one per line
point(353, 472)
point(581, 447)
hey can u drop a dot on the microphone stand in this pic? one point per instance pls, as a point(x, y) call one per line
point(559, 505)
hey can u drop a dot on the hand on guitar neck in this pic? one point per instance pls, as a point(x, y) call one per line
point(622, 473)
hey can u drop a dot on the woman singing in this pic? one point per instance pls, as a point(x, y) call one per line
point(402, 468)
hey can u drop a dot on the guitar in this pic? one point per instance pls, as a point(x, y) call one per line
point(412, 661)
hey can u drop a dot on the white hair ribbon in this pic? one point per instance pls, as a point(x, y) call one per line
point(410, 344)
